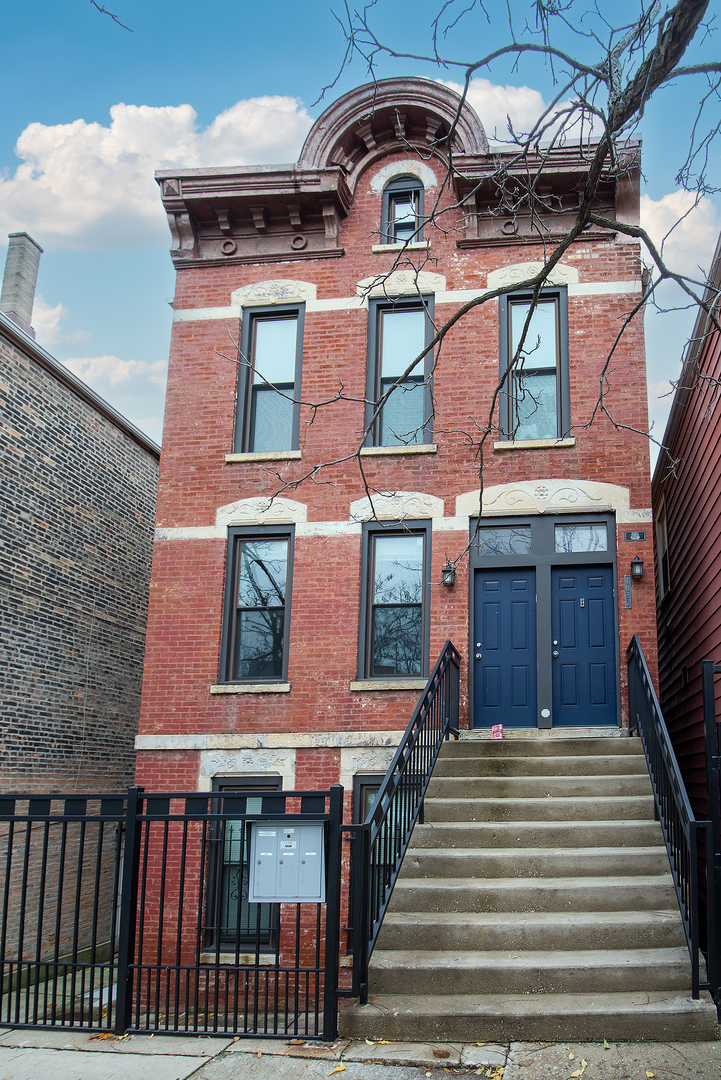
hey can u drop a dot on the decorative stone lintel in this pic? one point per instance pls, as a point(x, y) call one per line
point(252, 688)
point(261, 511)
point(411, 167)
point(388, 684)
point(397, 506)
point(562, 274)
point(394, 451)
point(402, 283)
point(266, 293)
point(544, 496)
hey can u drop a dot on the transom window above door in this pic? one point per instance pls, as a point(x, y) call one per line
point(574, 538)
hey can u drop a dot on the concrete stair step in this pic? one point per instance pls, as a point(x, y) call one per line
point(643, 892)
point(569, 765)
point(537, 787)
point(422, 863)
point(536, 834)
point(636, 807)
point(541, 747)
point(541, 972)
point(544, 930)
point(659, 1016)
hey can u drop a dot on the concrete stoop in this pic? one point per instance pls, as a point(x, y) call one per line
point(535, 903)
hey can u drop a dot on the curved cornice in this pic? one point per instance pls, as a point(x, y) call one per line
point(388, 115)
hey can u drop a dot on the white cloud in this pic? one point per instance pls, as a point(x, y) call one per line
point(87, 186)
point(47, 322)
point(495, 103)
point(691, 243)
point(111, 370)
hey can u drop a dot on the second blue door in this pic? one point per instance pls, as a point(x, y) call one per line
point(505, 648)
point(584, 646)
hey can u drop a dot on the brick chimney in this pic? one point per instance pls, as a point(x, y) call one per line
point(19, 279)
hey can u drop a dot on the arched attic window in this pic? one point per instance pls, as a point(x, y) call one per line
point(403, 210)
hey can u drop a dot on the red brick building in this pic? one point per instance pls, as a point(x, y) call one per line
point(297, 604)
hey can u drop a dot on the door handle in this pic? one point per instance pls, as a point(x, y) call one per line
point(555, 652)
point(478, 655)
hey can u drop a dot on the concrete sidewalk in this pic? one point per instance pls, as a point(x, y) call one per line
point(68, 1055)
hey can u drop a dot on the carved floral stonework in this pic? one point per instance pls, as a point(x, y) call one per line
point(260, 511)
point(228, 762)
point(360, 761)
point(404, 168)
point(274, 292)
point(397, 506)
point(514, 275)
point(544, 496)
point(402, 283)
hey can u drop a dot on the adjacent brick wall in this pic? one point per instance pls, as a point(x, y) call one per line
point(77, 504)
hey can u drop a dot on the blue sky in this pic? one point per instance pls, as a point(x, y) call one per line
point(90, 110)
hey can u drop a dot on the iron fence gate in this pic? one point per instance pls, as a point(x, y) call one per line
point(130, 913)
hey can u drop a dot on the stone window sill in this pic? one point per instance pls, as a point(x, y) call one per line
point(264, 959)
point(269, 455)
point(251, 688)
point(532, 444)
point(389, 684)
point(418, 245)
point(388, 451)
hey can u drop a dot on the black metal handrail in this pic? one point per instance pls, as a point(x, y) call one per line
point(678, 823)
point(380, 843)
point(712, 729)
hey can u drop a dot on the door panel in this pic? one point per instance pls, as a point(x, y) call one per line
point(584, 671)
point(505, 628)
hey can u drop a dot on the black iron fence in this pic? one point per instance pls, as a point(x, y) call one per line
point(380, 843)
point(712, 730)
point(131, 913)
point(682, 833)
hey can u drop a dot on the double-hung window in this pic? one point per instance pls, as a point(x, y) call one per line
point(403, 210)
point(395, 616)
point(257, 605)
point(398, 333)
point(535, 398)
point(271, 351)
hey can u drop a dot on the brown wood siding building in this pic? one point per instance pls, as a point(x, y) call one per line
point(687, 519)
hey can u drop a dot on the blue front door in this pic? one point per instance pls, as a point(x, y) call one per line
point(584, 649)
point(505, 648)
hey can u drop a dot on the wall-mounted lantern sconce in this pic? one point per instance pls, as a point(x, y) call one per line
point(449, 574)
point(636, 568)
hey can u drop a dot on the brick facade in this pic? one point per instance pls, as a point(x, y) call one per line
point(76, 511)
point(324, 728)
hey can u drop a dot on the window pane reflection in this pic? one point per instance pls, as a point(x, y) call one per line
point(571, 538)
point(504, 540)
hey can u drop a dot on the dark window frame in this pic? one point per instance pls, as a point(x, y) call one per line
point(376, 308)
point(246, 393)
point(663, 566)
point(361, 781)
point(371, 530)
point(395, 188)
point(224, 786)
point(237, 534)
point(559, 294)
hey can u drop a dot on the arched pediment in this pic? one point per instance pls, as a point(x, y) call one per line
point(388, 115)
